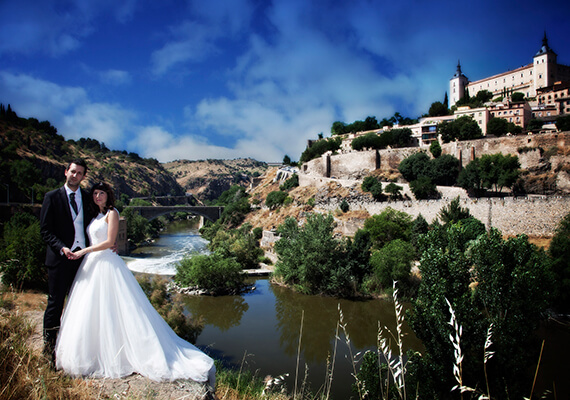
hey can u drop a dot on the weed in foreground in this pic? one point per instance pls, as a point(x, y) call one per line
point(24, 374)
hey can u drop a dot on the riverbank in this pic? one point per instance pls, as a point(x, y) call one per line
point(30, 306)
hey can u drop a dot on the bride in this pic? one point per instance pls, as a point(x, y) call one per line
point(109, 328)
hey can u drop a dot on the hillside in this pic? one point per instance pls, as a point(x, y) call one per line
point(207, 179)
point(33, 158)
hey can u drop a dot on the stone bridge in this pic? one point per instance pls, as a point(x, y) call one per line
point(151, 212)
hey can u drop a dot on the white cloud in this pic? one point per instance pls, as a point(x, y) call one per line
point(115, 77)
point(33, 97)
point(193, 43)
point(69, 109)
point(108, 123)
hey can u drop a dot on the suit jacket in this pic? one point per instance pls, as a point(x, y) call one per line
point(56, 223)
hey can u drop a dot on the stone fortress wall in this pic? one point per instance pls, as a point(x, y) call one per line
point(533, 215)
point(355, 164)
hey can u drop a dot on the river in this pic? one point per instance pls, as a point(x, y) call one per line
point(261, 329)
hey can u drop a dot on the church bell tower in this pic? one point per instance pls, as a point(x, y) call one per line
point(457, 86)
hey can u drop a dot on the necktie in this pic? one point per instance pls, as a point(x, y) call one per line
point(73, 203)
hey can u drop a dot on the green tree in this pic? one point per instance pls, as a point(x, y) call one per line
point(394, 191)
point(213, 272)
point(22, 254)
point(517, 97)
point(470, 177)
point(389, 225)
point(310, 258)
point(563, 123)
point(462, 128)
point(240, 244)
point(318, 148)
point(498, 171)
point(512, 293)
point(468, 128)
point(497, 126)
point(423, 188)
point(393, 262)
point(414, 166)
point(443, 170)
point(374, 186)
point(535, 125)
point(438, 109)
point(338, 128)
point(400, 137)
point(453, 212)
point(286, 160)
point(275, 199)
point(290, 183)
point(24, 175)
point(369, 141)
point(559, 251)
point(435, 149)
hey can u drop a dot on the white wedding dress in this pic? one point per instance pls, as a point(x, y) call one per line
point(109, 328)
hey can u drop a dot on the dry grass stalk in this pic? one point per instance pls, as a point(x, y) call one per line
point(353, 357)
point(396, 364)
point(456, 342)
point(298, 354)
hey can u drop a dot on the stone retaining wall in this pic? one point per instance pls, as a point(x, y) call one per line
point(534, 216)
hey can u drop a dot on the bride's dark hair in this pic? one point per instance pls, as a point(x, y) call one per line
point(110, 196)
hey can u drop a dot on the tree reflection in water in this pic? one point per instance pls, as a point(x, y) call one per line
point(320, 321)
point(223, 312)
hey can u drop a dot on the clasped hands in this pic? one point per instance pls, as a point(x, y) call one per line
point(80, 253)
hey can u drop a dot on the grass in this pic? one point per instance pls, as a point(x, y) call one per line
point(24, 373)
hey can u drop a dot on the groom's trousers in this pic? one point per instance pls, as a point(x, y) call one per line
point(60, 279)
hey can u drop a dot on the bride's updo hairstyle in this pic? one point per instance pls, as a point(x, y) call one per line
point(110, 196)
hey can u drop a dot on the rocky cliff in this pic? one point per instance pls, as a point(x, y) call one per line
point(208, 179)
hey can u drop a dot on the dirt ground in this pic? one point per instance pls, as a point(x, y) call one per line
point(131, 387)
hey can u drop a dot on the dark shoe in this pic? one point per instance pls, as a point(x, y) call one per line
point(50, 339)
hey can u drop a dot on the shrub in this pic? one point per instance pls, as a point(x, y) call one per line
point(559, 252)
point(389, 225)
point(369, 141)
point(435, 149)
point(290, 183)
point(213, 272)
point(22, 258)
point(393, 262)
point(240, 244)
point(344, 206)
point(423, 188)
point(170, 308)
point(275, 199)
point(374, 186)
point(394, 191)
point(311, 259)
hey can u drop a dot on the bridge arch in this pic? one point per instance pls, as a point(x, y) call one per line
point(152, 212)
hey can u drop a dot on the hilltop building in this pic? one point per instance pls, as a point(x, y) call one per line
point(543, 72)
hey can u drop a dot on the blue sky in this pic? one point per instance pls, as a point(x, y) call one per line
point(175, 79)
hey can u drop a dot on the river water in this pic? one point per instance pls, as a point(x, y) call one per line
point(261, 329)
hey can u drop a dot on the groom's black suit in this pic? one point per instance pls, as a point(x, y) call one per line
point(58, 231)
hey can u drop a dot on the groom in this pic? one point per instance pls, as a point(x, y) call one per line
point(64, 218)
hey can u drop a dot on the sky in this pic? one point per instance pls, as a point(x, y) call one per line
point(221, 79)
